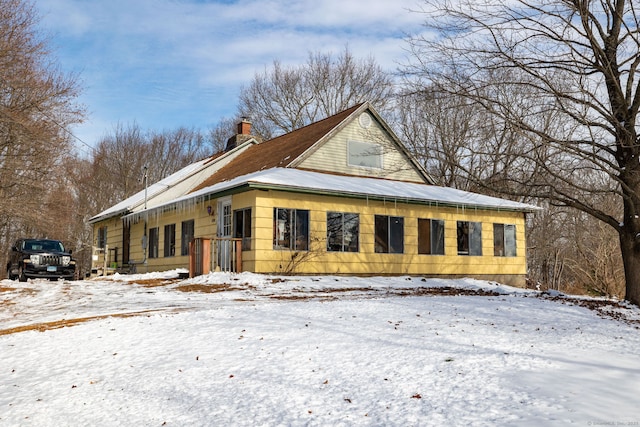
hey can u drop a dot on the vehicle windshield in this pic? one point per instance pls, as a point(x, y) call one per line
point(43, 245)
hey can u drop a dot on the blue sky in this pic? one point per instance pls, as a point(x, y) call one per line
point(170, 63)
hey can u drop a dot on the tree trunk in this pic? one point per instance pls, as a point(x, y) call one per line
point(630, 250)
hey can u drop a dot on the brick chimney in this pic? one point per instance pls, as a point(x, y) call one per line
point(244, 127)
point(244, 133)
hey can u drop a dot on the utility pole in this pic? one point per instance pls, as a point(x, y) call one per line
point(145, 239)
point(145, 187)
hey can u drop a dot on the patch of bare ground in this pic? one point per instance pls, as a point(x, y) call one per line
point(445, 290)
point(154, 283)
point(323, 293)
point(57, 324)
point(302, 297)
point(332, 293)
point(604, 308)
point(29, 291)
point(220, 287)
point(341, 290)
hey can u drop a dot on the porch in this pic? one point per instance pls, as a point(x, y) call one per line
point(207, 254)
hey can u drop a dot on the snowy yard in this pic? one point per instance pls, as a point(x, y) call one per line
point(151, 350)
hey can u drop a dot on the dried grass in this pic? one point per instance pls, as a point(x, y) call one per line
point(210, 289)
point(57, 324)
point(154, 283)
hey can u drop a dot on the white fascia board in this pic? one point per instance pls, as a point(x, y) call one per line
point(296, 180)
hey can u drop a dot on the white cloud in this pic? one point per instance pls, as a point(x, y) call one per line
point(140, 58)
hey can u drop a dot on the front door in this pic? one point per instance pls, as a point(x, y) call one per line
point(224, 234)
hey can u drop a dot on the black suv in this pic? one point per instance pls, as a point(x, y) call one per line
point(40, 258)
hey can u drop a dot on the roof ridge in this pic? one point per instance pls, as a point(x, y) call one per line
point(350, 110)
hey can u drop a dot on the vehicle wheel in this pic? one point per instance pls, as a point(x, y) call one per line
point(21, 276)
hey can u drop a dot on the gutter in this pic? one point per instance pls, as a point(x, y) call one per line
point(251, 185)
point(382, 198)
point(95, 219)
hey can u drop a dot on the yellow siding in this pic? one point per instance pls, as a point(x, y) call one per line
point(264, 259)
point(366, 261)
point(114, 240)
point(332, 155)
point(205, 225)
point(202, 221)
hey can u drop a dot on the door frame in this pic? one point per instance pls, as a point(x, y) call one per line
point(224, 232)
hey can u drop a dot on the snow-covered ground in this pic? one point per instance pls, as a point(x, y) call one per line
point(151, 350)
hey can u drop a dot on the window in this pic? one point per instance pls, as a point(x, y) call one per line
point(389, 234)
point(469, 238)
point(225, 229)
point(504, 240)
point(102, 237)
point(291, 229)
point(169, 240)
point(364, 154)
point(242, 227)
point(430, 236)
point(186, 236)
point(342, 232)
point(154, 235)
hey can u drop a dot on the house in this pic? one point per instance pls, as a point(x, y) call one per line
point(339, 196)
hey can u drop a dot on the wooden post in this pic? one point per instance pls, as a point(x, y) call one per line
point(192, 258)
point(206, 256)
point(106, 260)
point(238, 256)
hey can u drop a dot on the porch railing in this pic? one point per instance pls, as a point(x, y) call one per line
point(209, 254)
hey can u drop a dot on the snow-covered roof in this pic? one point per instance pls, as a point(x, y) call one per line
point(138, 199)
point(372, 188)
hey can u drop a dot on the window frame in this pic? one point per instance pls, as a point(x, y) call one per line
point(294, 228)
point(226, 225)
point(387, 228)
point(154, 242)
point(102, 237)
point(505, 241)
point(169, 241)
point(339, 230)
point(358, 149)
point(427, 245)
point(242, 227)
point(187, 230)
point(469, 238)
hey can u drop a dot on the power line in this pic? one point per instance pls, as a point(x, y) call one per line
point(64, 128)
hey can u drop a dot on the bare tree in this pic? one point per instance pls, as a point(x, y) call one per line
point(84, 202)
point(592, 259)
point(547, 243)
point(577, 63)
point(282, 99)
point(219, 134)
point(118, 162)
point(120, 158)
point(37, 103)
point(464, 148)
point(171, 150)
point(438, 128)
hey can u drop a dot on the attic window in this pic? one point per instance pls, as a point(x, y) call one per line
point(364, 120)
point(364, 154)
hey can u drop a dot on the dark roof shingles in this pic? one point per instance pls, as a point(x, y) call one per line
point(277, 152)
